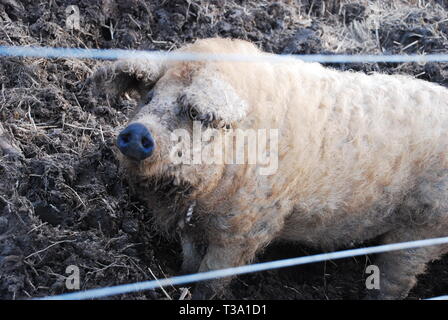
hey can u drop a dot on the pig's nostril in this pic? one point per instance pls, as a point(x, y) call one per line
point(136, 142)
point(123, 140)
point(126, 138)
point(147, 142)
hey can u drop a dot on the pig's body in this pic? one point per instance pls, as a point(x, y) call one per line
point(365, 151)
point(358, 157)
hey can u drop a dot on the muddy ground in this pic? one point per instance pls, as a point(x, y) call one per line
point(65, 203)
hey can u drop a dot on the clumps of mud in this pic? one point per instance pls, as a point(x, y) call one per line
point(64, 201)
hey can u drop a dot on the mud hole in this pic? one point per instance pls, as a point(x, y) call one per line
point(65, 203)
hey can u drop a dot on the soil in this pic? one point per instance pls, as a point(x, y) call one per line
point(64, 201)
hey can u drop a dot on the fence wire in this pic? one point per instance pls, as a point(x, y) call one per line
point(113, 54)
point(215, 274)
point(439, 298)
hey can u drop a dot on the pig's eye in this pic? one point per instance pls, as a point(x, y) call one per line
point(193, 113)
point(148, 97)
point(145, 100)
point(207, 118)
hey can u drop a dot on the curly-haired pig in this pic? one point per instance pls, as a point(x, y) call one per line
point(234, 155)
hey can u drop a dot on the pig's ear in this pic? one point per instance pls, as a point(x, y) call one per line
point(126, 75)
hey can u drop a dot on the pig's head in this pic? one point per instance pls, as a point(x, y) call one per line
point(159, 146)
point(160, 139)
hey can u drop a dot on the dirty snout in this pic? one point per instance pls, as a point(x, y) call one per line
point(136, 142)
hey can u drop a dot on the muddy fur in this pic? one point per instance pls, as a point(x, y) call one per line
point(360, 156)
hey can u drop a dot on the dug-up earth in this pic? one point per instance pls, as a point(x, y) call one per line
point(64, 201)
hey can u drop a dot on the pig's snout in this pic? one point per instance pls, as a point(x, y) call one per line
point(136, 142)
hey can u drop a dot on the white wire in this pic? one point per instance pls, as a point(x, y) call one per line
point(113, 54)
point(179, 280)
point(439, 298)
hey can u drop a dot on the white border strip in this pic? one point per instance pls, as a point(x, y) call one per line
point(179, 280)
point(113, 54)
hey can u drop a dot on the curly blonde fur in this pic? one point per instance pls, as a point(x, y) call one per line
point(360, 156)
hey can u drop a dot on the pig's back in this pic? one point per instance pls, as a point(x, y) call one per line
point(361, 142)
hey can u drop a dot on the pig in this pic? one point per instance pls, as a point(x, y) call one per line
point(348, 157)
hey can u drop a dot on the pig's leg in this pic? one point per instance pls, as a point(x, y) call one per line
point(236, 246)
point(399, 269)
point(429, 210)
point(191, 256)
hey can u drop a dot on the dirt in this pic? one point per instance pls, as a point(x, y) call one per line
point(64, 201)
